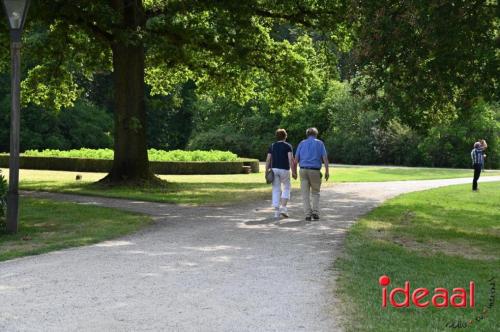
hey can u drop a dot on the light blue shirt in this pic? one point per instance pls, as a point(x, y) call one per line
point(310, 152)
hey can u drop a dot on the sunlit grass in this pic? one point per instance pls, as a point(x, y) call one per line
point(443, 237)
point(219, 189)
point(47, 225)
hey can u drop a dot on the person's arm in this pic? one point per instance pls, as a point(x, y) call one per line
point(327, 167)
point(325, 161)
point(268, 162)
point(294, 167)
point(291, 161)
point(296, 161)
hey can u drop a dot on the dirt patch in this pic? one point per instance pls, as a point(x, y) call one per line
point(462, 249)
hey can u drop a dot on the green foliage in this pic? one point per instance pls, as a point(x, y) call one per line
point(224, 46)
point(439, 147)
point(246, 130)
point(426, 60)
point(170, 118)
point(154, 155)
point(225, 136)
point(84, 125)
point(312, 113)
point(353, 131)
point(196, 155)
point(72, 164)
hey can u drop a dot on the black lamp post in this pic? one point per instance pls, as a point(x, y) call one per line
point(16, 11)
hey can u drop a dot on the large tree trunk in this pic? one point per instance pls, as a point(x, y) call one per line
point(130, 162)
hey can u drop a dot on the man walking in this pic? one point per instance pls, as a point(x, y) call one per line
point(477, 155)
point(311, 153)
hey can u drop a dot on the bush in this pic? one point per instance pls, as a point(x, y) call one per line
point(154, 155)
point(246, 130)
point(216, 167)
point(450, 145)
point(158, 167)
point(84, 125)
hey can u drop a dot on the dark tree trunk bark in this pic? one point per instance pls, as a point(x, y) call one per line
point(130, 163)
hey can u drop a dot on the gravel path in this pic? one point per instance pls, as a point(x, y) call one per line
point(198, 269)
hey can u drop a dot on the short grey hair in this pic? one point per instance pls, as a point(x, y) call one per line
point(312, 131)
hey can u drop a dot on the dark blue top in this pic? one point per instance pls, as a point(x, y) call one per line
point(310, 153)
point(279, 155)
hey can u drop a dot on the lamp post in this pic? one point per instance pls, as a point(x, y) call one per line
point(16, 11)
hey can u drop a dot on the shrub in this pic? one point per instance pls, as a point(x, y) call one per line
point(246, 130)
point(158, 167)
point(84, 125)
point(154, 155)
point(450, 145)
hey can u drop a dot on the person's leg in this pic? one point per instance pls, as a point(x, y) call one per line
point(477, 172)
point(305, 190)
point(276, 193)
point(285, 193)
point(315, 181)
point(480, 168)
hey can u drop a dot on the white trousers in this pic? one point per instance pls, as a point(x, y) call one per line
point(281, 185)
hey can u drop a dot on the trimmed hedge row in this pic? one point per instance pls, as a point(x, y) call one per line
point(253, 163)
point(153, 154)
point(158, 167)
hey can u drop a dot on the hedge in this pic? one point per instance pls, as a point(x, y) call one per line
point(158, 167)
point(153, 154)
point(253, 163)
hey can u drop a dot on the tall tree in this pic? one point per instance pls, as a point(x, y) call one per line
point(224, 46)
point(426, 59)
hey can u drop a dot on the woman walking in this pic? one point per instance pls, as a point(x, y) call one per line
point(279, 160)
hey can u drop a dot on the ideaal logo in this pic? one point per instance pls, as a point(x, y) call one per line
point(460, 324)
point(421, 297)
point(460, 297)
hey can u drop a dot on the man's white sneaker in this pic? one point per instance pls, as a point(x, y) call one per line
point(284, 213)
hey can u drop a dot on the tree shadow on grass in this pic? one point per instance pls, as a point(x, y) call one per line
point(171, 192)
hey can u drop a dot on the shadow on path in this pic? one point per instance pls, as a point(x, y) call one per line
point(199, 268)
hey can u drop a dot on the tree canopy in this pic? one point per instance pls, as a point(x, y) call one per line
point(421, 62)
point(226, 47)
point(426, 59)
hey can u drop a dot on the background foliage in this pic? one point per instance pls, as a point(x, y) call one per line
point(154, 154)
point(385, 82)
point(354, 132)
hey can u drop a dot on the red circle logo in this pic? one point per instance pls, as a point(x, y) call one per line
point(384, 280)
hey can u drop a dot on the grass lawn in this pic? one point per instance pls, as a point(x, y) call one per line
point(443, 237)
point(219, 189)
point(47, 225)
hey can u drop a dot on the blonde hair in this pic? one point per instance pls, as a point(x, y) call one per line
point(281, 134)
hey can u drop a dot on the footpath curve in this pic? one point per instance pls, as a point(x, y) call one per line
point(198, 269)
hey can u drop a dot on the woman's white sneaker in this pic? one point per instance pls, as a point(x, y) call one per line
point(284, 212)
